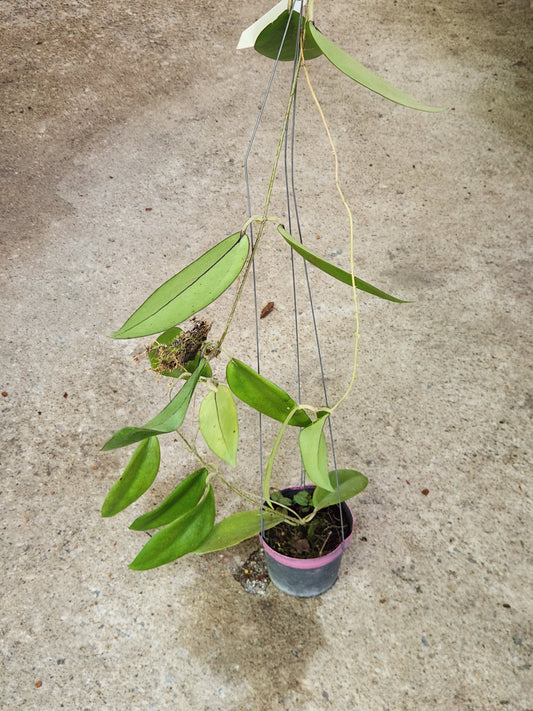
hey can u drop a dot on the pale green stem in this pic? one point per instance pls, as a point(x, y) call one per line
point(210, 467)
point(242, 494)
point(213, 471)
point(291, 517)
point(259, 219)
point(273, 453)
point(352, 249)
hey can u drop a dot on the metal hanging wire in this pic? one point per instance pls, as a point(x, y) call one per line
point(290, 187)
point(254, 275)
point(292, 209)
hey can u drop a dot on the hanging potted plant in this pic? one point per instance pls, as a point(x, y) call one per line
point(303, 529)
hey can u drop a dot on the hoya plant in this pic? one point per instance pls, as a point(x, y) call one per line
point(182, 350)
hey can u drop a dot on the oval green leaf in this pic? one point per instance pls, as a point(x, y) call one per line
point(159, 356)
point(189, 291)
point(219, 424)
point(315, 454)
point(269, 40)
point(332, 270)
point(136, 479)
point(263, 395)
point(168, 420)
point(236, 528)
point(184, 497)
point(180, 537)
point(351, 483)
point(360, 74)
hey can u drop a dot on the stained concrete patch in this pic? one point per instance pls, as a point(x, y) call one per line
point(256, 646)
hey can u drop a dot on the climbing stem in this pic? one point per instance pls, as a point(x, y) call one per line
point(350, 220)
point(258, 219)
point(210, 467)
point(213, 471)
point(273, 453)
point(245, 496)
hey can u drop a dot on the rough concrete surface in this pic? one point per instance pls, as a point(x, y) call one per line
point(124, 127)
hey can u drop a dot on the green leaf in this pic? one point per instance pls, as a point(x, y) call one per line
point(263, 395)
point(351, 483)
point(180, 537)
point(155, 355)
point(236, 528)
point(168, 420)
point(269, 40)
point(302, 498)
point(189, 291)
point(315, 454)
point(332, 270)
point(164, 339)
point(191, 366)
point(219, 423)
point(136, 479)
point(184, 497)
point(278, 498)
point(356, 71)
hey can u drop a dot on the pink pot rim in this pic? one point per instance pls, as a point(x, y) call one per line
point(308, 563)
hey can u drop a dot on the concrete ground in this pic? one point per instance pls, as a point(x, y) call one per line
point(124, 127)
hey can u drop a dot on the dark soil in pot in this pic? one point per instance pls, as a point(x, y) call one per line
point(317, 538)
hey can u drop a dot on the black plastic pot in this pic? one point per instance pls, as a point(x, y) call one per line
point(307, 577)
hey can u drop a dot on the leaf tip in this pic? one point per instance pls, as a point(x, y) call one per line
point(119, 333)
point(137, 564)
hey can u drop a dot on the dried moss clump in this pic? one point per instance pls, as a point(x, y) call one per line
point(182, 351)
